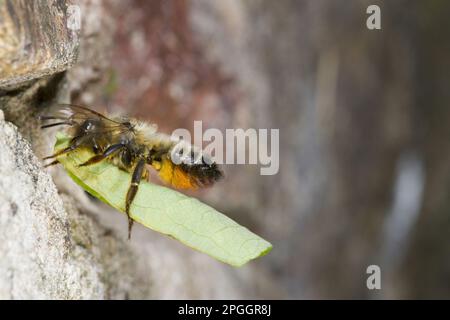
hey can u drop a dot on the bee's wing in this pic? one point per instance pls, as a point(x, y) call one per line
point(78, 114)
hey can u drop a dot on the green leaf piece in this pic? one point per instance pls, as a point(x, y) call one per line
point(186, 219)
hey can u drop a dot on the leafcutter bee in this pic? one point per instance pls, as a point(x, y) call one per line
point(133, 146)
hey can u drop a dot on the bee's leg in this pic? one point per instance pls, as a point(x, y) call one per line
point(75, 143)
point(135, 180)
point(95, 146)
point(154, 159)
point(109, 151)
point(51, 164)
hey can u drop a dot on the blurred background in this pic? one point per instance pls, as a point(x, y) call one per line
point(364, 123)
point(363, 116)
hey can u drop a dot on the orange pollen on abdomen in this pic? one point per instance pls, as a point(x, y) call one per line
point(175, 176)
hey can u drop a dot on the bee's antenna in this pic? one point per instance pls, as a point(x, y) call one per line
point(66, 123)
point(51, 164)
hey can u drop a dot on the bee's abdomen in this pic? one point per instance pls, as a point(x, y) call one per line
point(189, 176)
point(204, 174)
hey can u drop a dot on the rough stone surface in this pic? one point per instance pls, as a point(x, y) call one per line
point(47, 248)
point(35, 40)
